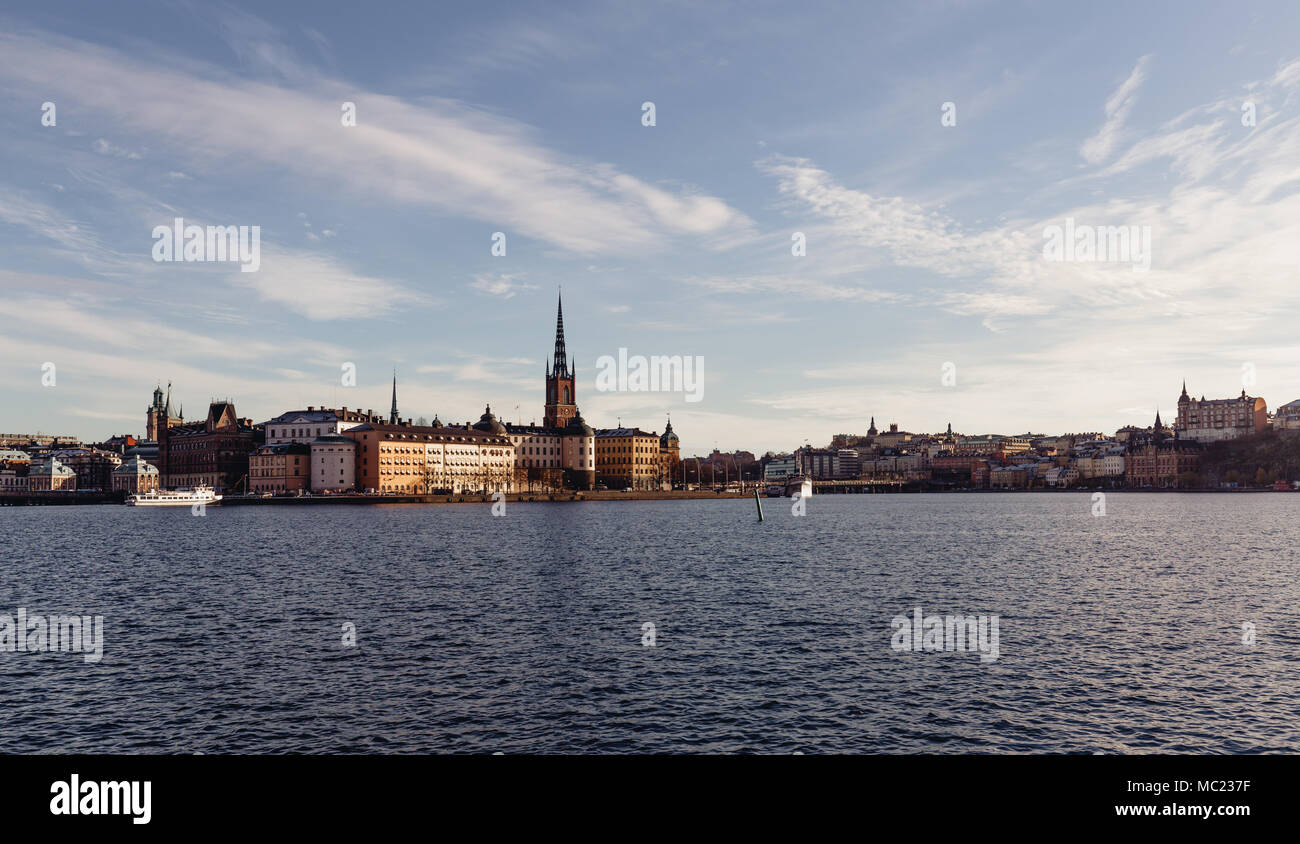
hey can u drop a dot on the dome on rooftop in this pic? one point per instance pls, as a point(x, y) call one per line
point(489, 424)
point(668, 436)
point(577, 427)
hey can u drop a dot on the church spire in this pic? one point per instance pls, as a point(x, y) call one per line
point(392, 415)
point(560, 366)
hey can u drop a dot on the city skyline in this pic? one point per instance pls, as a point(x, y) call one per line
point(924, 240)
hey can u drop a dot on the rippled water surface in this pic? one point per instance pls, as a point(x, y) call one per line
point(223, 634)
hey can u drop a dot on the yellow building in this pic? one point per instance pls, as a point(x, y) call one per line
point(415, 459)
point(627, 458)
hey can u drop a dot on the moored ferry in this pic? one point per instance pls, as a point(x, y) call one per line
point(201, 494)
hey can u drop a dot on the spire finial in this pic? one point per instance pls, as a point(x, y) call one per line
point(392, 414)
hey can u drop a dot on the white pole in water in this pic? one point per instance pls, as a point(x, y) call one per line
point(758, 502)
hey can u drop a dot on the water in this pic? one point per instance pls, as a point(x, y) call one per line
point(518, 634)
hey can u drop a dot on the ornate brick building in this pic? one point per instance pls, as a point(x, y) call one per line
point(213, 452)
point(1158, 458)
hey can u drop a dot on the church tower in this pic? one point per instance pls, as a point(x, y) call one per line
point(153, 415)
point(561, 397)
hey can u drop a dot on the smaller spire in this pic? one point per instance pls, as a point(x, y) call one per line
point(392, 415)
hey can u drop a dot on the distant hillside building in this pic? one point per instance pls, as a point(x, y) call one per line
point(1287, 417)
point(1219, 419)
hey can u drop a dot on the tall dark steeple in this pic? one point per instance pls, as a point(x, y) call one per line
point(392, 414)
point(560, 363)
point(561, 380)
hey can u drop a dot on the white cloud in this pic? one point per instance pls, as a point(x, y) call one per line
point(320, 288)
point(434, 153)
point(504, 285)
point(1097, 148)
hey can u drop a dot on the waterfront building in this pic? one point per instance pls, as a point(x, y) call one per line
point(93, 467)
point(1219, 419)
point(1017, 476)
point(417, 459)
point(818, 463)
point(1159, 458)
point(303, 426)
point(159, 414)
point(627, 458)
point(1061, 476)
point(13, 481)
point(14, 465)
point(49, 475)
point(891, 465)
point(280, 468)
point(214, 452)
point(781, 468)
point(1113, 462)
point(670, 458)
point(135, 475)
point(549, 457)
point(333, 464)
point(961, 465)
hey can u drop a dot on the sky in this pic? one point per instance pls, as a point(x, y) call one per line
point(923, 151)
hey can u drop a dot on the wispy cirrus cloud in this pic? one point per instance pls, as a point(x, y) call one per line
point(433, 153)
point(503, 285)
point(321, 288)
point(1098, 147)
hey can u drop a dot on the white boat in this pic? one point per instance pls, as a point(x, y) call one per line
point(800, 486)
point(201, 494)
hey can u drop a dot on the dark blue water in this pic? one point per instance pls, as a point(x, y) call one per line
point(223, 634)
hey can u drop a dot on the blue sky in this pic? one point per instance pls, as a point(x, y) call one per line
point(924, 241)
